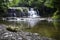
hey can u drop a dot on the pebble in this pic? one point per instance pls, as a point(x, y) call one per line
point(20, 38)
point(8, 35)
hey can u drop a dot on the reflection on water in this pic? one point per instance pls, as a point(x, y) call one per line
point(32, 22)
point(29, 21)
point(50, 29)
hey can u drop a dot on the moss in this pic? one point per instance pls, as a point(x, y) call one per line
point(13, 29)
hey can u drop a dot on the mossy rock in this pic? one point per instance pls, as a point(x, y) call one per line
point(13, 29)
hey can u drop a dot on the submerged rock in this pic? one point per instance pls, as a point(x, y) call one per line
point(8, 35)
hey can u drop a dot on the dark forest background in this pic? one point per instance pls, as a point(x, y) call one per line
point(46, 8)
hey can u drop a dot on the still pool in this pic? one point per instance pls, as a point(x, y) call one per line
point(42, 27)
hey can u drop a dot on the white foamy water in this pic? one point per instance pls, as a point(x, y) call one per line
point(32, 13)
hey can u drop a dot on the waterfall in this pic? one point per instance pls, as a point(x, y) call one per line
point(32, 13)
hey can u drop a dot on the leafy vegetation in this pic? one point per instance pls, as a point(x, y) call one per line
point(12, 3)
point(41, 5)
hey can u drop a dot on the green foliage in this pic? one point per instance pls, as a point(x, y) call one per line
point(3, 7)
point(4, 4)
point(13, 3)
point(33, 3)
point(30, 3)
point(49, 3)
point(8, 3)
point(56, 15)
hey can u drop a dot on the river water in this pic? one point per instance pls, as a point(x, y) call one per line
point(42, 27)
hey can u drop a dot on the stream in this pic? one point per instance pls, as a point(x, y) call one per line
point(43, 27)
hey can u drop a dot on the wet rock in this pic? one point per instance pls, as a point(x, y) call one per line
point(8, 35)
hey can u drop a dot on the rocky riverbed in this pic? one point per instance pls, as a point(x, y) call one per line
point(8, 35)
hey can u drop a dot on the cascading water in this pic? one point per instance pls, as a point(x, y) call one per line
point(32, 13)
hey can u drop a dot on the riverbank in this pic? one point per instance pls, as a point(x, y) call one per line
point(8, 35)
